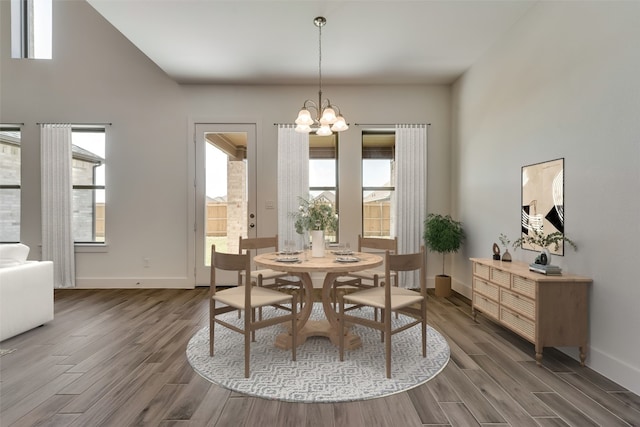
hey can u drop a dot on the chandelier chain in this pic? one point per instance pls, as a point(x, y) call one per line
point(320, 63)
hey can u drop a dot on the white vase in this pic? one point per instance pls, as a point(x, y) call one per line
point(317, 243)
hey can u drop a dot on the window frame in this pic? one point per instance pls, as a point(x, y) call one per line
point(75, 128)
point(323, 152)
point(378, 152)
point(15, 128)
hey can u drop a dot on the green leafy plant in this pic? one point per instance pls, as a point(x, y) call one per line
point(315, 215)
point(443, 234)
point(504, 240)
point(537, 238)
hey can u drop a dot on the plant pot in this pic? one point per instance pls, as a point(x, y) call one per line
point(443, 285)
point(506, 256)
point(317, 243)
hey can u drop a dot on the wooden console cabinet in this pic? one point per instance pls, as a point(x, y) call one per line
point(548, 311)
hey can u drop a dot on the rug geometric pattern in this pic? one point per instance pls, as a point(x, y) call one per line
point(318, 375)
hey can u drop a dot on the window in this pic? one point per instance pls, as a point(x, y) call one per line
point(10, 181)
point(323, 171)
point(31, 29)
point(88, 179)
point(378, 185)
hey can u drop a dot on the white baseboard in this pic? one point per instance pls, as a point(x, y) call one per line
point(134, 283)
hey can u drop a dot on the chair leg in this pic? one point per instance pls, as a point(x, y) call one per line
point(424, 328)
point(387, 344)
point(341, 329)
point(294, 325)
point(247, 354)
point(212, 324)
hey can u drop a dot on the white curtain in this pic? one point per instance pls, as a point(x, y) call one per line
point(57, 236)
point(411, 192)
point(293, 181)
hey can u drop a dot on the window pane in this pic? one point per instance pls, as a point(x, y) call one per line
point(88, 216)
point(10, 215)
point(322, 173)
point(10, 184)
point(378, 150)
point(376, 173)
point(88, 179)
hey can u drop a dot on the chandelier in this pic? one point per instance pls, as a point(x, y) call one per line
point(327, 115)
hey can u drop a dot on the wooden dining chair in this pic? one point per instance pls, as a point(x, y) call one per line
point(267, 278)
point(390, 299)
point(246, 298)
point(366, 279)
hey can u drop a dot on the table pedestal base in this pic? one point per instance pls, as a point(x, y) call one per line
point(319, 328)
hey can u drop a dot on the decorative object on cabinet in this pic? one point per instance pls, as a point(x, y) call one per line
point(542, 202)
point(505, 242)
point(544, 241)
point(443, 234)
point(546, 310)
point(496, 252)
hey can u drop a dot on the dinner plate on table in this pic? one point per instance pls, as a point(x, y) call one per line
point(345, 252)
point(289, 252)
point(347, 259)
point(288, 259)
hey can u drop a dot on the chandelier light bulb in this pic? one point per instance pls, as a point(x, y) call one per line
point(328, 116)
point(303, 129)
point(304, 118)
point(324, 131)
point(340, 125)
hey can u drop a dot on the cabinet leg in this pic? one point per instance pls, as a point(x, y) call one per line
point(539, 355)
point(474, 313)
point(583, 354)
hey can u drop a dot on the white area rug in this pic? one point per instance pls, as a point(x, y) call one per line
point(318, 375)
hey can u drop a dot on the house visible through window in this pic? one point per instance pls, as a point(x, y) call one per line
point(10, 181)
point(323, 172)
point(378, 185)
point(88, 179)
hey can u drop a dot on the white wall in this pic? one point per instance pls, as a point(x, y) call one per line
point(96, 75)
point(563, 83)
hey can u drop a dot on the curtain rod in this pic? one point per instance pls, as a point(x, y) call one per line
point(79, 124)
point(389, 124)
point(11, 124)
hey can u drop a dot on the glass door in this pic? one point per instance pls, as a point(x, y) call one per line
point(225, 193)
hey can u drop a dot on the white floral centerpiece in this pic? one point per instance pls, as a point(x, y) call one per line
point(316, 216)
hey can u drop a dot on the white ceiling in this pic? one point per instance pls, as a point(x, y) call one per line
point(276, 42)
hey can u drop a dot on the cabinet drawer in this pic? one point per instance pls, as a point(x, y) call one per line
point(500, 277)
point(485, 305)
point(486, 289)
point(518, 323)
point(524, 286)
point(518, 303)
point(481, 270)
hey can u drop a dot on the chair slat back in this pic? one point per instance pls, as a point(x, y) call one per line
point(377, 243)
point(229, 262)
point(406, 262)
point(256, 243)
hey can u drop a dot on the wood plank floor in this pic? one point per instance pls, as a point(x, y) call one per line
point(117, 358)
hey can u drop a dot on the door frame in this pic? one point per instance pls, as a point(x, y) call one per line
point(195, 206)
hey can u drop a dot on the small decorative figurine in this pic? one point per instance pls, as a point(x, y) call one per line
point(496, 252)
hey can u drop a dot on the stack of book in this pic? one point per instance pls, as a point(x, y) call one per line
point(551, 270)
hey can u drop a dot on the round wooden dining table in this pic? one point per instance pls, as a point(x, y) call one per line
point(302, 265)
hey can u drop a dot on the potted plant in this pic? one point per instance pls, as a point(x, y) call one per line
point(504, 240)
point(543, 241)
point(316, 216)
point(443, 234)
